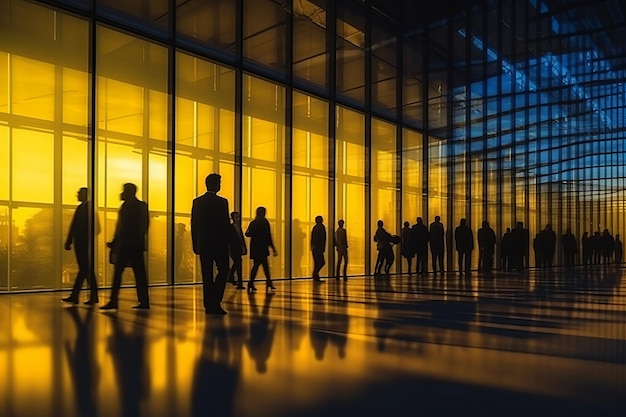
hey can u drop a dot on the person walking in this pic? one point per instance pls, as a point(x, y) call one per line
point(210, 231)
point(237, 250)
point(436, 235)
point(80, 235)
point(341, 243)
point(260, 241)
point(318, 247)
point(464, 239)
point(128, 246)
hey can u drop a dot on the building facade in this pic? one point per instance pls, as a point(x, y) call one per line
point(358, 110)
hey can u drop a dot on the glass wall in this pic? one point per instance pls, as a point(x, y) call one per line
point(44, 141)
point(487, 130)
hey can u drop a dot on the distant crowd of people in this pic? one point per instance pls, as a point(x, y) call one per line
point(217, 238)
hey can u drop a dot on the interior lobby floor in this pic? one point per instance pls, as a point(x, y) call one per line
point(539, 343)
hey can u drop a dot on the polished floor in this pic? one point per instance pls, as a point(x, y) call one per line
point(533, 344)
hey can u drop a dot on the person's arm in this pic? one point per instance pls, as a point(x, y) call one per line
point(194, 227)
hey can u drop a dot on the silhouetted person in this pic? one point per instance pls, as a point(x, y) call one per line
point(519, 246)
point(487, 244)
point(318, 247)
point(216, 373)
point(407, 247)
point(618, 249)
point(436, 235)
point(597, 247)
point(341, 243)
point(385, 251)
point(80, 235)
point(608, 246)
point(237, 250)
point(464, 240)
point(537, 250)
point(128, 246)
point(570, 248)
point(419, 233)
point(261, 335)
point(505, 250)
point(260, 241)
point(587, 244)
point(128, 354)
point(83, 366)
point(547, 245)
point(211, 235)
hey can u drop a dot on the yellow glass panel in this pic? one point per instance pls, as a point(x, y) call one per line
point(157, 117)
point(4, 162)
point(157, 188)
point(32, 88)
point(75, 97)
point(411, 175)
point(350, 184)
point(32, 249)
point(75, 168)
point(263, 160)
point(4, 79)
point(33, 166)
point(120, 107)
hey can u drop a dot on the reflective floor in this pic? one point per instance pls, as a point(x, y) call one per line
point(531, 344)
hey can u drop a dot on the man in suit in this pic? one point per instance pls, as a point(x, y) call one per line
point(210, 231)
point(237, 250)
point(318, 247)
point(437, 244)
point(80, 234)
point(128, 246)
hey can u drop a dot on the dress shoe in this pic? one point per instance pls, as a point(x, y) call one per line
point(109, 306)
point(216, 310)
point(90, 302)
point(141, 306)
point(251, 288)
point(241, 287)
point(70, 299)
point(318, 280)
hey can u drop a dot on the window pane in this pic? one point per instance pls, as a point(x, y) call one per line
point(350, 184)
point(411, 176)
point(205, 143)
point(384, 181)
point(309, 42)
point(264, 34)
point(263, 182)
point(192, 17)
point(310, 179)
point(132, 137)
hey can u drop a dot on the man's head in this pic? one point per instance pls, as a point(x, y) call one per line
point(235, 216)
point(83, 194)
point(437, 219)
point(213, 182)
point(340, 223)
point(129, 191)
point(319, 220)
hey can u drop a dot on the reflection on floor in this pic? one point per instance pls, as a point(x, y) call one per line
point(532, 344)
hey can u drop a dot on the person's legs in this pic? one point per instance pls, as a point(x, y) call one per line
point(206, 264)
point(141, 279)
